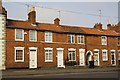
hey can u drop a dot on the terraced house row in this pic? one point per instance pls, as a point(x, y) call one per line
point(31, 44)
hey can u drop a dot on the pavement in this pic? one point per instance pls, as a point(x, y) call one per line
point(45, 71)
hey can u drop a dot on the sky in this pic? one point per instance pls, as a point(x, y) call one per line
point(83, 14)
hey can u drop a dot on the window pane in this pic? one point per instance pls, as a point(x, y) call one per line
point(48, 36)
point(32, 35)
point(104, 55)
point(48, 55)
point(72, 55)
point(47, 58)
point(19, 34)
point(80, 39)
point(70, 38)
point(104, 40)
point(19, 54)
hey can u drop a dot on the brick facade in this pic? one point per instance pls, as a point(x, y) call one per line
point(92, 43)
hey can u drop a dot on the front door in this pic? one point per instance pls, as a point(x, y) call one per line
point(81, 57)
point(60, 61)
point(33, 59)
point(113, 60)
point(96, 58)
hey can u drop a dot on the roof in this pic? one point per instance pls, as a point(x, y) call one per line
point(43, 26)
point(100, 32)
point(60, 29)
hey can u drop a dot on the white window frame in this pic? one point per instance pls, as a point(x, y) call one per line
point(46, 52)
point(71, 49)
point(98, 52)
point(114, 56)
point(50, 37)
point(104, 42)
point(22, 35)
point(34, 35)
point(105, 55)
point(81, 54)
point(71, 35)
point(79, 37)
point(118, 54)
point(19, 48)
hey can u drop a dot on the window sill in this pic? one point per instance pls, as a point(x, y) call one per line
point(71, 43)
point(18, 40)
point(48, 61)
point(81, 43)
point(48, 42)
point(33, 40)
point(104, 44)
point(72, 60)
point(105, 60)
point(19, 61)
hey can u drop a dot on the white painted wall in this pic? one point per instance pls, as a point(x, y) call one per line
point(2, 41)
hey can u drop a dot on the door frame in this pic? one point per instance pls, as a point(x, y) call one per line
point(114, 57)
point(32, 48)
point(82, 56)
point(98, 57)
point(60, 49)
point(90, 57)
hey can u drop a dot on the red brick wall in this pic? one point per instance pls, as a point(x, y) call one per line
point(92, 42)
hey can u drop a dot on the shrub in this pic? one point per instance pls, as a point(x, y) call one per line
point(70, 63)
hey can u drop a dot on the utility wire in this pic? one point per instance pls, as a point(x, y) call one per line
point(58, 10)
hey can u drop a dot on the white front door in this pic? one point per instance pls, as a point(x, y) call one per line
point(33, 59)
point(113, 58)
point(96, 58)
point(60, 61)
point(81, 57)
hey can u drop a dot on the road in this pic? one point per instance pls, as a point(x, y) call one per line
point(85, 75)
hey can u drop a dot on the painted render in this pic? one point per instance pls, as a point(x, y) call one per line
point(3, 16)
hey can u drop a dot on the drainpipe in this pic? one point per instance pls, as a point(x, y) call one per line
point(85, 51)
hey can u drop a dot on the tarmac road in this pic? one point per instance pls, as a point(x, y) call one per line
point(85, 75)
point(109, 73)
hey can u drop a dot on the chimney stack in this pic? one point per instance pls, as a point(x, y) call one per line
point(98, 26)
point(57, 21)
point(32, 15)
point(108, 26)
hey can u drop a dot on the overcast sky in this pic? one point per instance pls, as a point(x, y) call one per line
point(82, 13)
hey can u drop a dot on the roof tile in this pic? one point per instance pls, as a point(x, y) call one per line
point(61, 28)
